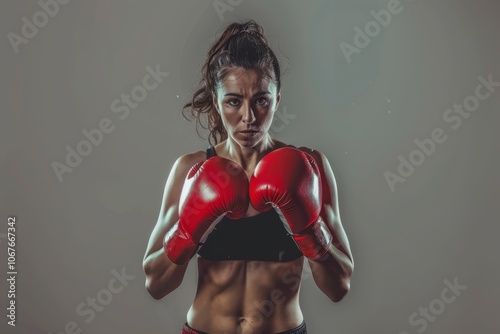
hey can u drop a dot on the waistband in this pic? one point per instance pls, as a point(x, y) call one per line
point(297, 330)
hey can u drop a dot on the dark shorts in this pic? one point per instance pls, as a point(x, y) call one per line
point(298, 330)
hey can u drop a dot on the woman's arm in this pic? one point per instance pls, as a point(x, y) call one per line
point(332, 273)
point(162, 275)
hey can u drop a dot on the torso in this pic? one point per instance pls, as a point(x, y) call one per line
point(243, 296)
point(247, 296)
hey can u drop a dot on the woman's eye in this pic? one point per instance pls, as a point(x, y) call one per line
point(235, 102)
point(262, 100)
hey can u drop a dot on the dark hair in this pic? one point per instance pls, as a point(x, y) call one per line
point(240, 45)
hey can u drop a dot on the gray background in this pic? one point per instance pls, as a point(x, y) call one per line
point(439, 224)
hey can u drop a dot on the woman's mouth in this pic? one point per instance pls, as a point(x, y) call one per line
point(248, 133)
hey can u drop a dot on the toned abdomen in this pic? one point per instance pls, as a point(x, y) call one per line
point(246, 296)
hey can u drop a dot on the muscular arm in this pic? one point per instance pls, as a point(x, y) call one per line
point(162, 275)
point(333, 271)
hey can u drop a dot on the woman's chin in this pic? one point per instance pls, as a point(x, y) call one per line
point(248, 142)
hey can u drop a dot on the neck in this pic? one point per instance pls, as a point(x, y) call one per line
point(248, 157)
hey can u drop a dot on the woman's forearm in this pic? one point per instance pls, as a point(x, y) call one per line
point(162, 275)
point(332, 273)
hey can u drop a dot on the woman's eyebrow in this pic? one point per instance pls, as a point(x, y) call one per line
point(262, 92)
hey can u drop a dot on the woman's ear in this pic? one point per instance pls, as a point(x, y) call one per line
point(278, 99)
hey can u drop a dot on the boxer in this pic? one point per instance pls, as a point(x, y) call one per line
point(249, 209)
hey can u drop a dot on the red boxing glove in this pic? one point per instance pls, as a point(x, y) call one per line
point(289, 180)
point(212, 188)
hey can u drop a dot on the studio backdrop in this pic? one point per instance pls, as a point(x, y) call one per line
point(402, 97)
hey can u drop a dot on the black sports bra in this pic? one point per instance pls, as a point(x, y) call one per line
point(261, 237)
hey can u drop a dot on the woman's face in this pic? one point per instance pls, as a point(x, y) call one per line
point(246, 103)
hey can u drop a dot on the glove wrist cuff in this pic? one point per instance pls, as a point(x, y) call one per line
point(179, 246)
point(314, 241)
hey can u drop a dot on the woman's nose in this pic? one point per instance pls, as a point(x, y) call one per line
point(248, 116)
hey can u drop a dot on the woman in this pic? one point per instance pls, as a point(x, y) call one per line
point(251, 206)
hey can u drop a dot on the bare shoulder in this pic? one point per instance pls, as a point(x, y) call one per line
point(322, 162)
point(186, 161)
point(317, 155)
